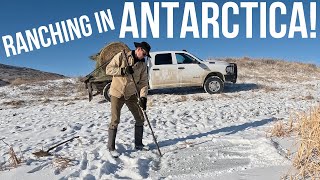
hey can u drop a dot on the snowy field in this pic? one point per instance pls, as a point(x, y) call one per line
point(201, 136)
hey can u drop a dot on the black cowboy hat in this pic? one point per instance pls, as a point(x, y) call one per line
point(144, 45)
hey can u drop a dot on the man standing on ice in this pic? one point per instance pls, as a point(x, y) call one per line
point(123, 91)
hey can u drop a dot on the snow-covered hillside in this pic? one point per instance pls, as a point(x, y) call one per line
point(201, 136)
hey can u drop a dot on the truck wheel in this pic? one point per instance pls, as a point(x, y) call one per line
point(213, 85)
point(105, 92)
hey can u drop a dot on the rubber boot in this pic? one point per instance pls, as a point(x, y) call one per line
point(138, 135)
point(112, 139)
point(112, 142)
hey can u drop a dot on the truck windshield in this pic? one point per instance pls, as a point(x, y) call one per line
point(197, 57)
point(194, 59)
point(183, 58)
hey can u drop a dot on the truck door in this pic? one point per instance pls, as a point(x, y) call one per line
point(163, 72)
point(190, 71)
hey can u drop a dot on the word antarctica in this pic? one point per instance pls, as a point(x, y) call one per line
point(211, 16)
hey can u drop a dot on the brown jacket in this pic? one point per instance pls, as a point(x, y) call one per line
point(123, 85)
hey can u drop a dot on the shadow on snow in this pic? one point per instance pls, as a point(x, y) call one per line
point(228, 130)
point(229, 88)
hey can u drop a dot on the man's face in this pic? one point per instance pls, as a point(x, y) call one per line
point(141, 53)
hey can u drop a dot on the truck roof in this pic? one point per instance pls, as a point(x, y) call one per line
point(159, 52)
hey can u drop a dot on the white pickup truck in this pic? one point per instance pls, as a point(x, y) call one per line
point(173, 69)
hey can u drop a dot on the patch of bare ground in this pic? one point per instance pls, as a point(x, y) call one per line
point(308, 97)
point(225, 96)
point(267, 88)
point(3, 82)
point(198, 98)
point(182, 99)
point(14, 103)
point(19, 81)
point(22, 75)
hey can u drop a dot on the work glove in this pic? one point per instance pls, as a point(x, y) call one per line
point(143, 103)
point(127, 70)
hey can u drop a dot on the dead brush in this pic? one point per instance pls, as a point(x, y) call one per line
point(308, 97)
point(267, 88)
point(14, 103)
point(307, 158)
point(46, 100)
point(67, 84)
point(62, 163)
point(81, 89)
point(150, 103)
point(198, 98)
point(224, 96)
point(282, 129)
point(274, 69)
point(19, 81)
point(13, 160)
point(182, 99)
point(268, 61)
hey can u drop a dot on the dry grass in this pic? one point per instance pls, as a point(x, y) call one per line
point(308, 97)
point(80, 98)
point(222, 95)
point(282, 129)
point(182, 99)
point(19, 81)
point(198, 98)
point(46, 100)
point(275, 64)
point(39, 79)
point(65, 89)
point(81, 87)
point(274, 70)
point(62, 163)
point(13, 160)
point(55, 92)
point(267, 88)
point(150, 103)
point(14, 103)
point(307, 158)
